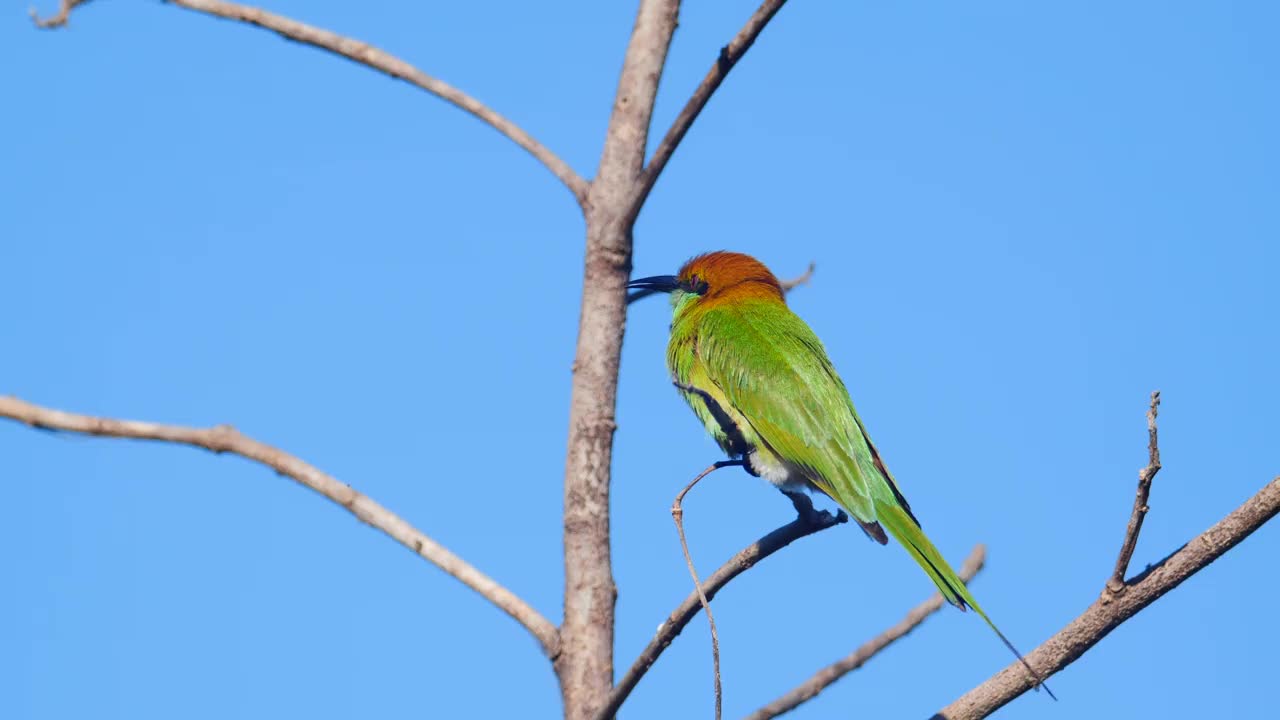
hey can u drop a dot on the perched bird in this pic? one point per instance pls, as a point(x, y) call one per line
point(761, 382)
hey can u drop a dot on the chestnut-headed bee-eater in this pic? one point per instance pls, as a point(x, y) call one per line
point(761, 382)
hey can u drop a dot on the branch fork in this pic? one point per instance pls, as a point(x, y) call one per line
point(1122, 599)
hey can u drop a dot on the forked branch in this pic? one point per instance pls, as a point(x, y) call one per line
point(1122, 599)
point(807, 522)
point(226, 439)
point(729, 56)
point(1112, 609)
point(1118, 602)
point(585, 666)
point(372, 57)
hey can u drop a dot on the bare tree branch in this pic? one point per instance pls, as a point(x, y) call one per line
point(1113, 608)
point(802, 279)
point(585, 664)
point(58, 19)
point(225, 439)
point(372, 57)
point(1145, 476)
point(806, 523)
point(820, 680)
point(1121, 599)
point(729, 56)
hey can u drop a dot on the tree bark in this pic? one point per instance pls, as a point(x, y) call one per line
point(1116, 606)
point(585, 663)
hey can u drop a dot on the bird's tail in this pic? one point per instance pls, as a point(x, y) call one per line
point(903, 527)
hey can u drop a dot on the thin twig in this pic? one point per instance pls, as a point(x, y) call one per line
point(1112, 609)
point(677, 514)
point(729, 56)
point(226, 439)
point(806, 523)
point(58, 19)
point(803, 279)
point(825, 677)
point(377, 59)
point(1145, 476)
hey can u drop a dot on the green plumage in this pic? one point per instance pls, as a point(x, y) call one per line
point(761, 382)
point(767, 371)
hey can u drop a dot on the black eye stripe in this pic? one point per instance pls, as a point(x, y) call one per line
point(695, 285)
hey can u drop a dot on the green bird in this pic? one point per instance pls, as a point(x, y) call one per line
point(762, 384)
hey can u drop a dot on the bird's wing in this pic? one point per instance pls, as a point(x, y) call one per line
point(775, 373)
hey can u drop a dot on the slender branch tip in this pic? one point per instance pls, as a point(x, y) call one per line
point(803, 279)
point(800, 527)
point(58, 19)
point(1141, 501)
point(727, 57)
point(371, 57)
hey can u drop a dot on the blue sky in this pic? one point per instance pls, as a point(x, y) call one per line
point(1024, 218)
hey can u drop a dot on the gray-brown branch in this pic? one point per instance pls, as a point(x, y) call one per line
point(1145, 476)
point(822, 679)
point(1113, 608)
point(58, 19)
point(585, 665)
point(801, 279)
point(729, 56)
point(372, 57)
point(807, 523)
point(226, 439)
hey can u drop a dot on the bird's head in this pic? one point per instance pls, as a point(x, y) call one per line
point(715, 276)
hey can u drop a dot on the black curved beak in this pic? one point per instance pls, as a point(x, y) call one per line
point(657, 283)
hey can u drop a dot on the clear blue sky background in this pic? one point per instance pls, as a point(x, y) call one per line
point(1024, 219)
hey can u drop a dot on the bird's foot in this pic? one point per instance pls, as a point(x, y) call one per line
point(810, 515)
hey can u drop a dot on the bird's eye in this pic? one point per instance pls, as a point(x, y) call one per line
point(697, 285)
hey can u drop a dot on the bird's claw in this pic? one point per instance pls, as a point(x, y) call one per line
point(809, 515)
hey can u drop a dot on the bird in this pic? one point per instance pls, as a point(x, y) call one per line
point(763, 385)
